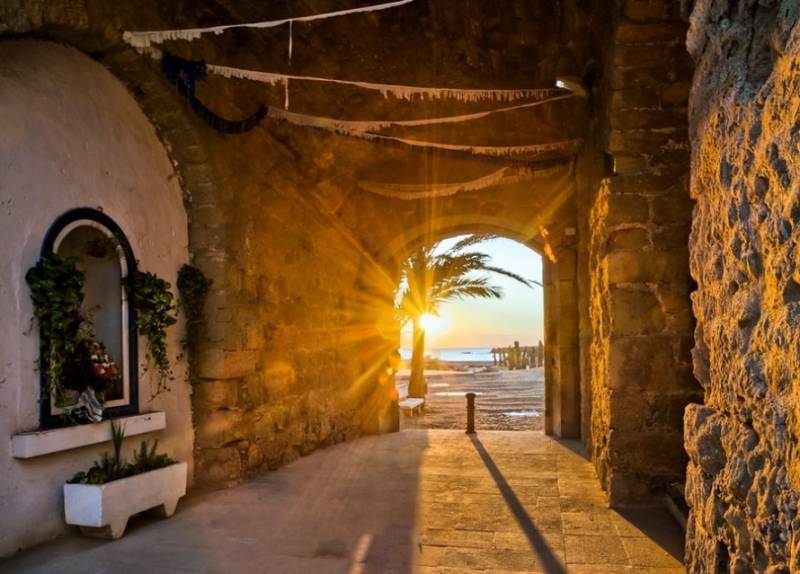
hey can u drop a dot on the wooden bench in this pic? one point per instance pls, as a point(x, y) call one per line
point(411, 406)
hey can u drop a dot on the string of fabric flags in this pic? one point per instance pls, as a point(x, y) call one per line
point(146, 39)
point(398, 91)
point(144, 42)
point(184, 74)
point(504, 176)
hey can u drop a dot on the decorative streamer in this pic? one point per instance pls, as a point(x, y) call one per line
point(503, 176)
point(184, 74)
point(398, 91)
point(365, 126)
point(145, 39)
point(498, 151)
point(501, 151)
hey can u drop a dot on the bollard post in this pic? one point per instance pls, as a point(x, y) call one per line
point(470, 413)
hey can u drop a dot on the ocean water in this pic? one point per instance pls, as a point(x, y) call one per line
point(460, 355)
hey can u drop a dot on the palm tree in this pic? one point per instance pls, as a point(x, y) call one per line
point(430, 279)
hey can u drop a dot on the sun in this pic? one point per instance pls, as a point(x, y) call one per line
point(432, 324)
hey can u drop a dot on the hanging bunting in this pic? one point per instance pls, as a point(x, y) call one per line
point(398, 91)
point(499, 152)
point(146, 39)
point(504, 176)
point(184, 74)
point(354, 127)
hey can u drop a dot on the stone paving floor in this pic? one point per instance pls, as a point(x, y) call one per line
point(420, 501)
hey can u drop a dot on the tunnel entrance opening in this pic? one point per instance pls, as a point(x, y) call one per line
point(478, 331)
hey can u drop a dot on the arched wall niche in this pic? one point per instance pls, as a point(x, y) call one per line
point(104, 255)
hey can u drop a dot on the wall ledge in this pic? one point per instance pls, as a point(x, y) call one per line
point(39, 443)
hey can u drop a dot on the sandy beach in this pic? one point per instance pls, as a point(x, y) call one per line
point(506, 400)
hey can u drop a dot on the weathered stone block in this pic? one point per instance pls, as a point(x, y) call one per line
point(638, 32)
point(648, 55)
point(220, 364)
point(218, 428)
point(655, 77)
point(630, 164)
point(627, 209)
point(633, 238)
point(648, 119)
point(645, 9)
point(216, 394)
point(635, 98)
point(219, 465)
point(672, 236)
point(646, 141)
point(651, 267)
point(675, 209)
point(635, 312)
point(642, 363)
point(646, 184)
point(272, 382)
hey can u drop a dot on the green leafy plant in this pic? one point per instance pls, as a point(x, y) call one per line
point(152, 299)
point(146, 459)
point(113, 467)
point(193, 287)
point(56, 286)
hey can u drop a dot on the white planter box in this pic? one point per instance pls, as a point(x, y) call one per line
point(103, 510)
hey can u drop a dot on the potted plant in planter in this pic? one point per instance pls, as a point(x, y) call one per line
point(102, 499)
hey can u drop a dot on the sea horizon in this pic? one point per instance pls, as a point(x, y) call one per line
point(457, 354)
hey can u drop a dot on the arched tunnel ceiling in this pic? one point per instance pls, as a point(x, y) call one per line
point(470, 44)
point(507, 44)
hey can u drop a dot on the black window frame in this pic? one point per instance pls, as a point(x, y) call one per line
point(46, 418)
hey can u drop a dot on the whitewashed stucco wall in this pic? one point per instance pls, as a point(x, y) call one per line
point(72, 136)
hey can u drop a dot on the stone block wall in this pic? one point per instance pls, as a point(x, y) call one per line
point(743, 475)
point(639, 223)
point(292, 352)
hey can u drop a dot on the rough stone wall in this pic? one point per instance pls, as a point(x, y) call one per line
point(640, 309)
point(285, 368)
point(743, 475)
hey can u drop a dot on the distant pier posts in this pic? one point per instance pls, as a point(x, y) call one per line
point(518, 357)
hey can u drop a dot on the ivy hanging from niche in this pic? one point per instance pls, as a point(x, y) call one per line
point(72, 359)
point(56, 286)
point(193, 287)
point(152, 300)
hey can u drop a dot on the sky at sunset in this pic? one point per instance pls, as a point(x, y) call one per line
point(518, 316)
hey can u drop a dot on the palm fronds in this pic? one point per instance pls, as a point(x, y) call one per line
point(430, 278)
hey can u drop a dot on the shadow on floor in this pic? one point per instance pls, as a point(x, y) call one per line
point(535, 538)
point(657, 524)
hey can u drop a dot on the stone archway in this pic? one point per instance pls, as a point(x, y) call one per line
point(562, 385)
